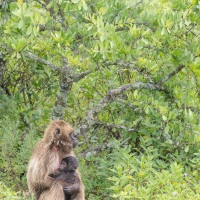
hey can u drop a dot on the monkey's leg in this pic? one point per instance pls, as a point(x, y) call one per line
point(71, 189)
point(80, 195)
point(54, 193)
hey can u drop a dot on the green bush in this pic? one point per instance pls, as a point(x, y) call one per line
point(16, 147)
point(7, 194)
point(142, 177)
point(16, 144)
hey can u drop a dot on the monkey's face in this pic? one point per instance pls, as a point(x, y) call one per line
point(69, 163)
point(61, 135)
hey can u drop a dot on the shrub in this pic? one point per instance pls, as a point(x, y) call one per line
point(140, 177)
point(7, 194)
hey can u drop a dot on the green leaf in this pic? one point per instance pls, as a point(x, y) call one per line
point(164, 118)
point(190, 113)
point(35, 96)
point(186, 149)
point(20, 24)
point(75, 1)
point(163, 31)
point(167, 129)
point(29, 30)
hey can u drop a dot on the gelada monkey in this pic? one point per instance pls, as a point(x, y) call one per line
point(58, 142)
point(68, 178)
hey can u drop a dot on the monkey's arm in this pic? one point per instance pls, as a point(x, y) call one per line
point(56, 174)
point(71, 189)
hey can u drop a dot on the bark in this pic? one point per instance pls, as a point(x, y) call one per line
point(36, 58)
point(62, 95)
point(2, 71)
point(2, 66)
point(170, 75)
point(68, 77)
point(111, 96)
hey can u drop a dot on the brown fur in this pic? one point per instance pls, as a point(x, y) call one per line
point(46, 159)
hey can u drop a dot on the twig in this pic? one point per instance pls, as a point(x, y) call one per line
point(78, 77)
point(96, 149)
point(111, 96)
point(114, 126)
point(43, 61)
point(170, 75)
point(134, 107)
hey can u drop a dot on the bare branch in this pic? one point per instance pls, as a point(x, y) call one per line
point(67, 79)
point(63, 94)
point(105, 145)
point(55, 15)
point(111, 96)
point(96, 149)
point(131, 65)
point(2, 65)
point(114, 126)
point(81, 76)
point(195, 78)
point(139, 2)
point(41, 60)
point(170, 75)
point(122, 101)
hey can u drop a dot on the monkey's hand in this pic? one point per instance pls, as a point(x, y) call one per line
point(53, 175)
point(71, 189)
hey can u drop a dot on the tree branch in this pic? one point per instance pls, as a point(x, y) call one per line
point(114, 126)
point(63, 94)
point(2, 65)
point(68, 77)
point(133, 107)
point(96, 149)
point(170, 75)
point(54, 15)
point(41, 60)
point(78, 77)
point(111, 96)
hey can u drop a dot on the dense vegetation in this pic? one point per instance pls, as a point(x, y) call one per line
point(124, 73)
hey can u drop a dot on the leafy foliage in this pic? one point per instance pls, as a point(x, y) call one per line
point(145, 177)
point(7, 194)
point(16, 145)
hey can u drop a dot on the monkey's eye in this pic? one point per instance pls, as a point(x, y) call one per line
point(57, 131)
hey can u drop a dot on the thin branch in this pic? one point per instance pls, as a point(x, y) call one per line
point(63, 93)
point(143, 71)
point(123, 102)
point(111, 96)
point(170, 75)
point(139, 2)
point(96, 149)
point(54, 15)
point(78, 77)
point(43, 61)
point(195, 78)
point(63, 20)
point(114, 126)
point(105, 145)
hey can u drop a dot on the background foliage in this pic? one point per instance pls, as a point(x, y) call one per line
point(124, 73)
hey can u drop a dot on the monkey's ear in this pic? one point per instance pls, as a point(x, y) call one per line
point(57, 131)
